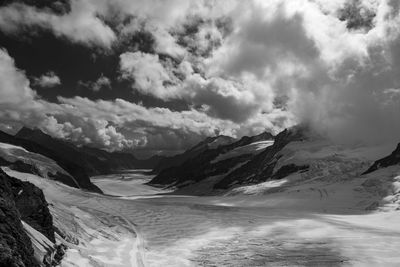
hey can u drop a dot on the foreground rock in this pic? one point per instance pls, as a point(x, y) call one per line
point(15, 245)
point(26, 226)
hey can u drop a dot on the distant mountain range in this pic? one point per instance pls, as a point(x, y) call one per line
point(238, 163)
point(216, 165)
point(176, 160)
point(79, 162)
point(228, 161)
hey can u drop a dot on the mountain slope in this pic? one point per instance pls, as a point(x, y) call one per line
point(260, 168)
point(176, 160)
point(23, 206)
point(392, 159)
point(65, 161)
point(95, 161)
point(207, 163)
point(91, 162)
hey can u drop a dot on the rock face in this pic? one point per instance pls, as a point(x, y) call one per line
point(260, 168)
point(203, 165)
point(392, 159)
point(15, 246)
point(32, 207)
point(208, 143)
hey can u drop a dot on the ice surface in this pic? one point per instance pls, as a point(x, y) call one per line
point(126, 184)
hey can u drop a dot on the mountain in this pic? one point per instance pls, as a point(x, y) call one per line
point(261, 167)
point(296, 157)
point(67, 162)
point(16, 247)
point(24, 210)
point(207, 159)
point(176, 160)
point(392, 159)
point(95, 161)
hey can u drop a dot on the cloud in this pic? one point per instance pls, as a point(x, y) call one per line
point(240, 67)
point(112, 125)
point(14, 87)
point(101, 82)
point(50, 79)
point(80, 25)
point(148, 74)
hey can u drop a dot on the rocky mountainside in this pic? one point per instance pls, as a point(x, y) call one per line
point(176, 160)
point(95, 161)
point(261, 167)
point(66, 161)
point(21, 201)
point(206, 162)
point(392, 159)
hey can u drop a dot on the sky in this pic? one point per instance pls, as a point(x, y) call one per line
point(158, 76)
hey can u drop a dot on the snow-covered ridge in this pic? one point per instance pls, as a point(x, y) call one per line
point(45, 166)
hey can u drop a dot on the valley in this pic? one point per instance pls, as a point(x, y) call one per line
point(295, 228)
point(297, 200)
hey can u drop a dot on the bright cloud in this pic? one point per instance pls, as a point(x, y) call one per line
point(240, 67)
point(50, 79)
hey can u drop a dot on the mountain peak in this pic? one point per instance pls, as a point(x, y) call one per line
point(212, 142)
point(26, 132)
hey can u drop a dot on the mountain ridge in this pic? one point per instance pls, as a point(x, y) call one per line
point(202, 166)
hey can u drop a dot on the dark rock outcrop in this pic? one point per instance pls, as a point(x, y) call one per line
point(392, 159)
point(286, 170)
point(201, 166)
point(15, 246)
point(32, 207)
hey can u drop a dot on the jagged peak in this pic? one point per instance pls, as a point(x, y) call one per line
point(26, 131)
point(224, 139)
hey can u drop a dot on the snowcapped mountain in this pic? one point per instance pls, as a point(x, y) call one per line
point(297, 172)
point(95, 161)
point(176, 160)
point(212, 160)
point(64, 167)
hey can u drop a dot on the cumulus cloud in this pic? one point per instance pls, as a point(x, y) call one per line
point(149, 75)
point(111, 125)
point(101, 82)
point(50, 79)
point(80, 25)
point(14, 87)
point(241, 67)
